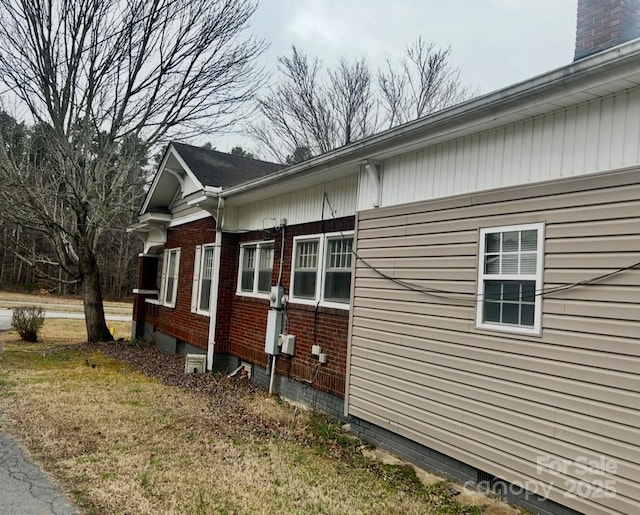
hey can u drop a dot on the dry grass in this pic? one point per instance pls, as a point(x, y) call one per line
point(121, 442)
point(12, 299)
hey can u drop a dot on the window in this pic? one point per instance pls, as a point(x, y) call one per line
point(256, 268)
point(202, 279)
point(322, 269)
point(169, 280)
point(510, 274)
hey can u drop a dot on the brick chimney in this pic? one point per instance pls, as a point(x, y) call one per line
point(604, 24)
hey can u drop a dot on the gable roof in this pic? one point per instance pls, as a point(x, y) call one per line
point(190, 169)
point(218, 169)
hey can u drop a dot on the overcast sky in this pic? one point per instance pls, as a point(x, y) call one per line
point(495, 43)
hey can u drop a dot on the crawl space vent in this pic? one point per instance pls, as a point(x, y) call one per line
point(195, 363)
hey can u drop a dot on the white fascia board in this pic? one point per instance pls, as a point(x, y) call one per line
point(150, 221)
point(171, 151)
point(561, 82)
point(156, 179)
point(187, 170)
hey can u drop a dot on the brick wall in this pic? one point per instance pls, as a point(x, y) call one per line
point(603, 24)
point(226, 290)
point(241, 321)
point(323, 326)
point(179, 322)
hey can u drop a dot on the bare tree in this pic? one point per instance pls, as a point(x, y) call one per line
point(352, 100)
point(424, 82)
point(92, 74)
point(307, 110)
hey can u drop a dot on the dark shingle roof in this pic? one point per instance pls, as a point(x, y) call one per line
point(213, 168)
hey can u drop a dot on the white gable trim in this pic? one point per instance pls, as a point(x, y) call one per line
point(186, 187)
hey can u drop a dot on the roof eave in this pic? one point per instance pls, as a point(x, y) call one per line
point(456, 116)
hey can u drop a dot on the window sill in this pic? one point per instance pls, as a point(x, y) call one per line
point(264, 296)
point(141, 291)
point(159, 303)
point(325, 305)
point(513, 329)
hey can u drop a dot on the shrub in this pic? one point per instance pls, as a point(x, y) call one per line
point(28, 322)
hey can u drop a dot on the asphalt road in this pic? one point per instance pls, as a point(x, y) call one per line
point(5, 317)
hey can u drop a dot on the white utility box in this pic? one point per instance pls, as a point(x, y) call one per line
point(275, 297)
point(274, 328)
point(288, 344)
point(195, 363)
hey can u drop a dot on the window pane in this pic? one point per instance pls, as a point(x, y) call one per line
point(510, 313)
point(492, 242)
point(205, 293)
point(248, 268)
point(339, 253)
point(169, 293)
point(509, 263)
point(527, 314)
point(511, 291)
point(307, 255)
point(509, 302)
point(171, 269)
point(529, 240)
point(248, 258)
point(337, 286)
point(492, 290)
point(510, 241)
point(528, 291)
point(264, 281)
point(528, 263)
point(266, 257)
point(304, 285)
point(207, 263)
point(246, 284)
point(491, 312)
point(492, 264)
point(266, 268)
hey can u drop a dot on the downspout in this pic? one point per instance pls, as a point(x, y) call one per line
point(215, 285)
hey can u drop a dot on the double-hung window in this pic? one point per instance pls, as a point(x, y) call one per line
point(202, 279)
point(256, 268)
point(321, 271)
point(510, 278)
point(169, 279)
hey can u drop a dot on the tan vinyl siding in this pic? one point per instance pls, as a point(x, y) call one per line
point(497, 400)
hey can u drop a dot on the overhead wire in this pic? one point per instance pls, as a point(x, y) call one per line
point(473, 297)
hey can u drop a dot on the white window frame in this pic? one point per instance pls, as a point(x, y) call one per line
point(164, 282)
point(199, 276)
point(321, 269)
point(536, 329)
point(259, 246)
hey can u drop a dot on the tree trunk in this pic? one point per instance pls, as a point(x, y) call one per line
point(97, 330)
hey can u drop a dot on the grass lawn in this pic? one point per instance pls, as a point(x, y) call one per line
point(121, 442)
point(58, 303)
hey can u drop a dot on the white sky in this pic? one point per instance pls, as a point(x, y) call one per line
point(495, 43)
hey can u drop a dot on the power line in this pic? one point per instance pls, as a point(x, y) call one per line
point(473, 297)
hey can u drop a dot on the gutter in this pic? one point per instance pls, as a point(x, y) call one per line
point(487, 105)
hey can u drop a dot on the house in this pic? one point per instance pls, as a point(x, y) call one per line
point(492, 326)
point(210, 261)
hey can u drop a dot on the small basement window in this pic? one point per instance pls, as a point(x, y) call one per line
point(510, 278)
